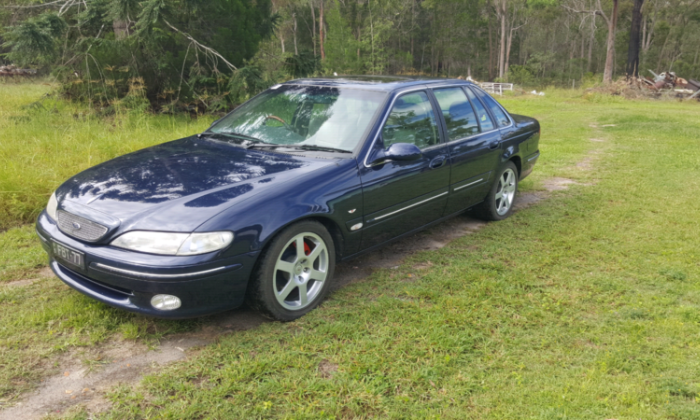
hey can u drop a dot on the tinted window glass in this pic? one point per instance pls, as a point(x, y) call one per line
point(458, 112)
point(481, 114)
point(501, 117)
point(411, 121)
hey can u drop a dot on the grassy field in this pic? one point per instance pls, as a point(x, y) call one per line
point(44, 141)
point(585, 305)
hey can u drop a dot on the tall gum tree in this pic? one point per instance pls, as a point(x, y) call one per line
point(611, 22)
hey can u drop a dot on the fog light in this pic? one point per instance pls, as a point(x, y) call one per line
point(165, 302)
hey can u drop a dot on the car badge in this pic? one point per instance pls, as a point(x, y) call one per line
point(76, 226)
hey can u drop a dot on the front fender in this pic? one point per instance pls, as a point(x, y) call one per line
point(332, 193)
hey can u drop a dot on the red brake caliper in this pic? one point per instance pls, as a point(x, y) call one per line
point(307, 248)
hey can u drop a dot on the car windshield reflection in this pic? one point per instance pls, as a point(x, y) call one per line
point(326, 117)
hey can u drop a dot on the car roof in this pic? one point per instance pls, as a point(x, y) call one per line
point(379, 83)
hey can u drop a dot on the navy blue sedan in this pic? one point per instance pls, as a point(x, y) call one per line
point(262, 205)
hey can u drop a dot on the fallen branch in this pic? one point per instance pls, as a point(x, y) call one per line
point(202, 46)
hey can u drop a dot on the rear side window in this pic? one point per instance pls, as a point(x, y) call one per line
point(481, 114)
point(411, 120)
point(458, 112)
point(501, 117)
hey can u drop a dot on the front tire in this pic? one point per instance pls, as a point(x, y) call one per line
point(294, 273)
point(498, 204)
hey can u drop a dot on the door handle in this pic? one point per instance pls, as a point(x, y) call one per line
point(494, 145)
point(438, 162)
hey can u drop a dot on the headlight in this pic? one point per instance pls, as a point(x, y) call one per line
point(166, 243)
point(52, 206)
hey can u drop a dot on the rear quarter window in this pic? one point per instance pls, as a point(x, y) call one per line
point(501, 118)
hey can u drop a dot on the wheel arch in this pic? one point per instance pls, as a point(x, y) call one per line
point(517, 161)
point(327, 222)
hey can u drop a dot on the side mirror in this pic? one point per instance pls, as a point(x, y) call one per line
point(398, 152)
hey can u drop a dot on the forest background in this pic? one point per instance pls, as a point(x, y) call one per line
point(210, 55)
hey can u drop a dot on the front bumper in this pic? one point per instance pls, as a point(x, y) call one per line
point(128, 280)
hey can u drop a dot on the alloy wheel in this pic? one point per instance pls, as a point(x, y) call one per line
point(300, 271)
point(505, 192)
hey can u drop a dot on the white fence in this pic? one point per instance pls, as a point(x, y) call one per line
point(496, 88)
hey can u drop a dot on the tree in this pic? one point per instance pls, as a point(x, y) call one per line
point(611, 22)
point(633, 51)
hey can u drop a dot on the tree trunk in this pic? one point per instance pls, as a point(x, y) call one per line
point(502, 52)
point(508, 46)
point(313, 25)
point(633, 51)
point(647, 38)
point(121, 29)
point(663, 50)
point(610, 55)
point(296, 50)
point(491, 66)
point(320, 30)
point(591, 41)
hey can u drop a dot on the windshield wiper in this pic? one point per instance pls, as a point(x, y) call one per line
point(319, 148)
point(247, 140)
point(253, 142)
point(299, 146)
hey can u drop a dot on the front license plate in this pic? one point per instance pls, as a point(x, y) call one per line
point(67, 255)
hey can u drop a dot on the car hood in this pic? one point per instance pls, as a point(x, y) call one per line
point(177, 186)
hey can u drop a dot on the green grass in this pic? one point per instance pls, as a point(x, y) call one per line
point(583, 306)
point(44, 141)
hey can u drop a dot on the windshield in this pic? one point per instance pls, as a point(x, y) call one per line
point(328, 117)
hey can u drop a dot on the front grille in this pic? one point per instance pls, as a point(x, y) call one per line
point(80, 227)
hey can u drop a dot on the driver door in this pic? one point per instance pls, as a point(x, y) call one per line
point(400, 196)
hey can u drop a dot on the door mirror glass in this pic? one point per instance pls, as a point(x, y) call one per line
point(397, 152)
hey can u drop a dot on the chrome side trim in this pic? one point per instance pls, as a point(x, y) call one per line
point(465, 186)
point(140, 274)
point(407, 207)
point(534, 157)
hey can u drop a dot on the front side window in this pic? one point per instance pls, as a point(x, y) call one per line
point(306, 116)
point(481, 114)
point(411, 120)
point(458, 112)
point(501, 118)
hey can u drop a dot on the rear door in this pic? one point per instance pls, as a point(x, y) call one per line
point(400, 196)
point(473, 143)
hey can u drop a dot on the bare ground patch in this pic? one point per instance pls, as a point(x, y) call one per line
point(326, 369)
point(38, 275)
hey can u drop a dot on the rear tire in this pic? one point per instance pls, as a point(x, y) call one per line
point(498, 204)
point(294, 273)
